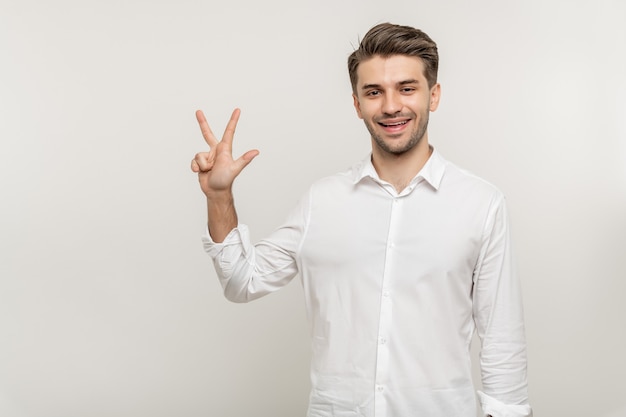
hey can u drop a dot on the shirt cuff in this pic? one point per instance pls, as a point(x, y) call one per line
point(233, 237)
point(496, 408)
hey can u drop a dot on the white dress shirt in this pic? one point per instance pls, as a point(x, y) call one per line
point(395, 284)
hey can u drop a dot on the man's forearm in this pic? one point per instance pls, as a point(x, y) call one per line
point(222, 216)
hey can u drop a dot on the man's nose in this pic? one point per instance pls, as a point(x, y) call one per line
point(392, 103)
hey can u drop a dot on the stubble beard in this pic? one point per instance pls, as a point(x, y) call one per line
point(414, 139)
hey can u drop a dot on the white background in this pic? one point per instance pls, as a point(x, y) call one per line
point(109, 306)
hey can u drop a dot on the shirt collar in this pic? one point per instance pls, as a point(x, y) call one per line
point(432, 171)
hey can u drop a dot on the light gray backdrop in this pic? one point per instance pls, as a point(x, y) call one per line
point(108, 305)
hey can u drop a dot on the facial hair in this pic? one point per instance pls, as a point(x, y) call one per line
point(414, 139)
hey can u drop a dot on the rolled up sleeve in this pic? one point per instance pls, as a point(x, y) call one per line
point(246, 271)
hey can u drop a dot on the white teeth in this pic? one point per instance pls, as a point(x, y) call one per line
point(395, 124)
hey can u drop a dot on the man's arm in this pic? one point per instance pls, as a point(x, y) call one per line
point(498, 315)
point(217, 171)
point(246, 272)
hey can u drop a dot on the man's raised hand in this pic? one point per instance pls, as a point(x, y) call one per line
point(217, 169)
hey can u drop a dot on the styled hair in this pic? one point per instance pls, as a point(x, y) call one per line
point(387, 39)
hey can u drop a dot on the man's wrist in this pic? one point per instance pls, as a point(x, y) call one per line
point(222, 196)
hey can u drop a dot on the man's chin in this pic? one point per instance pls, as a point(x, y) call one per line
point(394, 148)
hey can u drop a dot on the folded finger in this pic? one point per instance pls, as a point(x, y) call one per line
point(203, 161)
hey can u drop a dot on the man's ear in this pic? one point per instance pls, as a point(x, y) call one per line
point(435, 95)
point(357, 106)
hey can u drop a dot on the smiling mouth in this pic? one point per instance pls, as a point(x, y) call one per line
point(393, 124)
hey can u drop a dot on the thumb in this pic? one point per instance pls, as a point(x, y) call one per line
point(245, 159)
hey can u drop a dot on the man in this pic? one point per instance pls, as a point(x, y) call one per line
point(401, 258)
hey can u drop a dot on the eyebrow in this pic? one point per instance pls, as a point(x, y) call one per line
point(401, 83)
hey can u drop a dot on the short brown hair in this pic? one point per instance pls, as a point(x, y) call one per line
point(387, 39)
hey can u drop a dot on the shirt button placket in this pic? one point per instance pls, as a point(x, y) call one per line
point(382, 359)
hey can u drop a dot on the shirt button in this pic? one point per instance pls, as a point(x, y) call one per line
point(385, 293)
point(380, 388)
point(382, 340)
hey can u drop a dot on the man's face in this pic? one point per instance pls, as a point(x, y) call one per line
point(393, 99)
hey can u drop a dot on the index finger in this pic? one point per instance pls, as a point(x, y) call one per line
point(207, 134)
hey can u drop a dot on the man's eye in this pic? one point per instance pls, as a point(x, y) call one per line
point(408, 90)
point(373, 93)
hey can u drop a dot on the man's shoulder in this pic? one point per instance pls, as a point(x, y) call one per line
point(336, 181)
point(345, 178)
point(456, 177)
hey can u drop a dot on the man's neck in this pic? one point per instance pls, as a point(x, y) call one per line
point(399, 170)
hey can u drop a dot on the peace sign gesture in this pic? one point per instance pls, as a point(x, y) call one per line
point(217, 169)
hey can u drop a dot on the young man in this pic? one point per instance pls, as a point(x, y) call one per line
point(402, 257)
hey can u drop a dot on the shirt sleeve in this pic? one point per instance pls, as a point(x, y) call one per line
point(499, 318)
point(246, 271)
point(494, 408)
